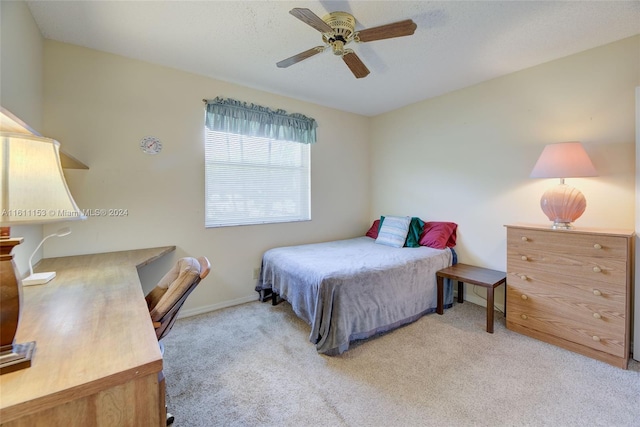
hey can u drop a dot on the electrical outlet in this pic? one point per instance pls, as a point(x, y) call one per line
point(256, 273)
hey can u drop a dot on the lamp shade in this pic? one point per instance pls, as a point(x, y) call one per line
point(563, 160)
point(33, 187)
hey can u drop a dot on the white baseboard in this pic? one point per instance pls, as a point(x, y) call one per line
point(208, 308)
point(473, 298)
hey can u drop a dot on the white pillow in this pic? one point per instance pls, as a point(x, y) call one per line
point(394, 231)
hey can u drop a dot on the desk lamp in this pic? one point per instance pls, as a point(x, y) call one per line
point(42, 278)
point(33, 191)
point(563, 204)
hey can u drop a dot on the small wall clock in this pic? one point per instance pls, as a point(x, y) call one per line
point(150, 145)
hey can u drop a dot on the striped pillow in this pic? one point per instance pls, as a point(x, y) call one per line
point(393, 231)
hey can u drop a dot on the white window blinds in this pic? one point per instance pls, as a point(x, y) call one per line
point(255, 180)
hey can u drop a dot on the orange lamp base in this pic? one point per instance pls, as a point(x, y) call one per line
point(563, 204)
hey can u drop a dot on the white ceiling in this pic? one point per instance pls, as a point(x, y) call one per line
point(456, 44)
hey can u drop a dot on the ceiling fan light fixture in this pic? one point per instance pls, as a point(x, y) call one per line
point(338, 47)
point(342, 23)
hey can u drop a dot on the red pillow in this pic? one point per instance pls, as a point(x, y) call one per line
point(373, 231)
point(439, 235)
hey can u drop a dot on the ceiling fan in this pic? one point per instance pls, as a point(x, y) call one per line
point(338, 30)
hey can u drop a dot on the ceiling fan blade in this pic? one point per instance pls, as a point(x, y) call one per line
point(356, 66)
point(311, 19)
point(301, 56)
point(397, 29)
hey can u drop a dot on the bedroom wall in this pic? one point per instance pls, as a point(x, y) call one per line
point(21, 92)
point(466, 156)
point(100, 105)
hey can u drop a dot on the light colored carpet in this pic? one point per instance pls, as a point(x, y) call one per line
point(252, 365)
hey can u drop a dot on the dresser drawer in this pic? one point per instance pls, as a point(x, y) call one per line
point(568, 243)
point(604, 294)
point(568, 329)
point(599, 313)
point(583, 270)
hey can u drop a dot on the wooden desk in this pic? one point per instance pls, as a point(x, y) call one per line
point(97, 360)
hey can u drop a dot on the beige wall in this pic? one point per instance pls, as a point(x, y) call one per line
point(466, 156)
point(100, 105)
point(21, 47)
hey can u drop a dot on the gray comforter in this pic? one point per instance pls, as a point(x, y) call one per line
point(353, 289)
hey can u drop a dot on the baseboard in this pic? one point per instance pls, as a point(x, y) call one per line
point(208, 308)
point(475, 299)
point(471, 297)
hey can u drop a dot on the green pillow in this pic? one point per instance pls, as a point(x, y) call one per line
point(415, 230)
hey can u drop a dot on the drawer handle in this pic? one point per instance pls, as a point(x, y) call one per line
point(523, 277)
point(597, 246)
point(524, 316)
point(597, 315)
point(597, 292)
point(524, 238)
point(524, 258)
point(597, 269)
point(524, 297)
point(596, 338)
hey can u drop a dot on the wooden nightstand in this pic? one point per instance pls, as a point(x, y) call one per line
point(463, 273)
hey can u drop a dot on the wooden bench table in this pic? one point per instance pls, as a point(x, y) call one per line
point(463, 273)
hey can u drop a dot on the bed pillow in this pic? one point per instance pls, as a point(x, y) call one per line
point(415, 231)
point(373, 231)
point(413, 236)
point(393, 231)
point(439, 235)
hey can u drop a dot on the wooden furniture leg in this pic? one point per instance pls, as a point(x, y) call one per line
point(490, 309)
point(440, 306)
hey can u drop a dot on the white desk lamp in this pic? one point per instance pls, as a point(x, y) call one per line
point(42, 278)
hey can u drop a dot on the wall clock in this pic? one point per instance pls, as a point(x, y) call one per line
point(150, 145)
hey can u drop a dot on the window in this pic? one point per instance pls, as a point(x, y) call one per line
point(255, 172)
point(253, 180)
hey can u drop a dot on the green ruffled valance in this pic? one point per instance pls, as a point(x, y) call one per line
point(231, 116)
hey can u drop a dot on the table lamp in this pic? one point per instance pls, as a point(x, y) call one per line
point(563, 204)
point(33, 191)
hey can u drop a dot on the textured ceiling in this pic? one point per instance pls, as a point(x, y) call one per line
point(456, 44)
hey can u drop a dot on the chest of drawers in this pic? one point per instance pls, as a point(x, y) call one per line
point(571, 288)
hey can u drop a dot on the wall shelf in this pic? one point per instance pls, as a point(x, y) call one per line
point(9, 122)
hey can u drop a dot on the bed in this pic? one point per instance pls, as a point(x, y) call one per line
point(352, 289)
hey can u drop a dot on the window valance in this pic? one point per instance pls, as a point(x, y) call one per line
point(232, 116)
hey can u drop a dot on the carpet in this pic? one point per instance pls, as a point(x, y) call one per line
point(252, 365)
